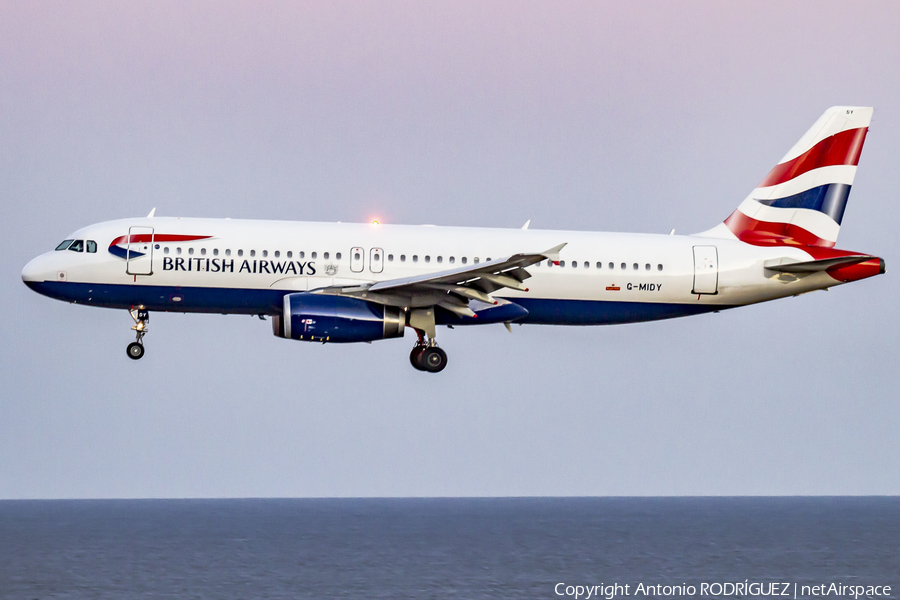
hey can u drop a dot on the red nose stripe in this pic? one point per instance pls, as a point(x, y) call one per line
point(159, 237)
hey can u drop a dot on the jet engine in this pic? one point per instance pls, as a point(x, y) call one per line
point(322, 318)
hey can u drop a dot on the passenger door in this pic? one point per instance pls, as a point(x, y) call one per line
point(139, 251)
point(706, 270)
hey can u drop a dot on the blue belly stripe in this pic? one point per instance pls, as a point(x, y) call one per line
point(268, 301)
point(604, 312)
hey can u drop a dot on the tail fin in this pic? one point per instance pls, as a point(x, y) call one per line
point(801, 201)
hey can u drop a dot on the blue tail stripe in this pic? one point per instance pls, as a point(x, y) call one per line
point(830, 199)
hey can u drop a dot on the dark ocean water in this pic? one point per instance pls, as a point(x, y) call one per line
point(437, 548)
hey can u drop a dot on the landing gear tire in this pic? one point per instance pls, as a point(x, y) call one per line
point(141, 317)
point(135, 350)
point(433, 359)
point(415, 358)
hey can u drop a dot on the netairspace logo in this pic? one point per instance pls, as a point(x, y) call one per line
point(737, 589)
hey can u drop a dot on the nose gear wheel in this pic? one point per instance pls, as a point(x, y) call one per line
point(135, 350)
point(141, 316)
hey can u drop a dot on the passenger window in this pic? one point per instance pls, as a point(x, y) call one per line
point(314, 255)
point(178, 250)
point(64, 244)
point(427, 258)
point(415, 258)
point(265, 253)
point(402, 258)
point(325, 256)
point(587, 265)
point(464, 260)
point(301, 254)
point(612, 266)
point(452, 260)
point(289, 254)
point(647, 266)
point(635, 266)
point(574, 264)
point(92, 246)
point(624, 266)
point(203, 251)
point(215, 251)
point(166, 250)
point(475, 260)
point(390, 258)
point(156, 246)
point(277, 254)
point(599, 265)
point(659, 267)
point(337, 256)
point(190, 250)
point(240, 252)
point(77, 246)
point(228, 252)
point(440, 259)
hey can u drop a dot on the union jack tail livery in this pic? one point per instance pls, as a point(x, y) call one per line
point(801, 201)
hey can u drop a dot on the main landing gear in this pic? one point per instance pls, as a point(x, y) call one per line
point(141, 317)
point(426, 356)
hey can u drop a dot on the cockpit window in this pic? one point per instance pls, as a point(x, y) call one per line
point(92, 246)
point(77, 246)
point(64, 245)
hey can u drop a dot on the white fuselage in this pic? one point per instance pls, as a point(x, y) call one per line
point(247, 266)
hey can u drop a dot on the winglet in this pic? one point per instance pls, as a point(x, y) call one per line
point(527, 223)
point(152, 212)
point(553, 253)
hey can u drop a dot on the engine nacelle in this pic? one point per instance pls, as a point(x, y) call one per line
point(322, 318)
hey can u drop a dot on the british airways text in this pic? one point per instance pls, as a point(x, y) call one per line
point(227, 265)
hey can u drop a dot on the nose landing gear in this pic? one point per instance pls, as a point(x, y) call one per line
point(141, 317)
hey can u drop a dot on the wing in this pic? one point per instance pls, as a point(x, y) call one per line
point(451, 289)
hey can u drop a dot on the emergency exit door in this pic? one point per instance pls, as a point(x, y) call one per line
point(706, 270)
point(357, 259)
point(376, 260)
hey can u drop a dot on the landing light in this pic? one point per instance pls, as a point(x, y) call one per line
point(375, 222)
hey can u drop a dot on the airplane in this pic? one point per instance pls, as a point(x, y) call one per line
point(361, 282)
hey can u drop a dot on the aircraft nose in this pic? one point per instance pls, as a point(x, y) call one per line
point(30, 272)
point(37, 271)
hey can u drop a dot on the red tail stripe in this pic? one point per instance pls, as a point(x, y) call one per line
point(765, 233)
point(842, 148)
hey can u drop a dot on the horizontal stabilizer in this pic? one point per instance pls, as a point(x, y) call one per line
point(789, 265)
